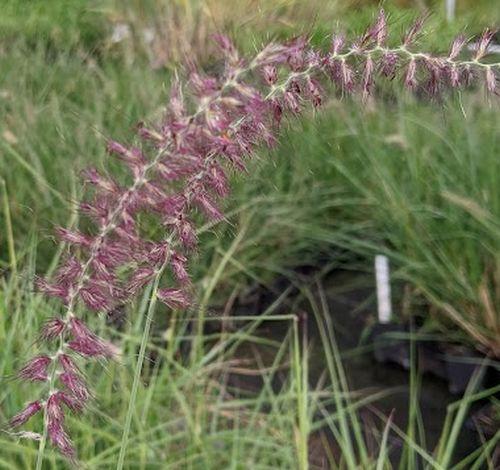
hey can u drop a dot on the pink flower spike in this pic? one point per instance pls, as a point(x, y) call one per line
point(116, 148)
point(484, 42)
point(54, 411)
point(91, 348)
point(179, 267)
point(73, 237)
point(379, 29)
point(227, 47)
point(388, 64)
point(75, 385)
point(156, 253)
point(346, 75)
point(457, 46)
point(176, 103)
point(102, 271)
point(272, 54)
point(218, 180)
point(314, 89)
point(74, 405)
point(173, 205)
point(435, 72)
point(61, 440)
point(139, 279)
point(338, 41)
point(414, 31)
point(67, 364)
point(368, 78)
point(52, 290)
point(52, 329)
point(95, 297)
point(202, 85)
point(35, 369)
point(133, 157)
point(270, 74)
point(277, 109)
point(92, 176)
point(55, 429)
point(23, 416)
point(296, 48)
point(187, 234)
point(87, 343)
point(69, 272)
point(174, 298)
point(454, 75)
point(491, 80)
point(291, 101)
point(97, 211)
point(150, 134)
point(410, 80)
point(208, 206)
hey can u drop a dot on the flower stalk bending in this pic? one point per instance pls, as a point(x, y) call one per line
point(182, 166)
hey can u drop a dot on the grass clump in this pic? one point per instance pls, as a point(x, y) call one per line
point(426, 191)
point(244, 398)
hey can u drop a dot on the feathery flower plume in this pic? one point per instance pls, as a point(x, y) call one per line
point(35, 369)
point(182, 168)
point(24, 415)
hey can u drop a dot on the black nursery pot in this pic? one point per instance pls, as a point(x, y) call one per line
point(461, 363)
point(431, 359)
point(388, 349)
point(486, 421)
point(453, 363)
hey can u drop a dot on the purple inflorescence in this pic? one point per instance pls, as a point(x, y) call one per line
point(181, 166)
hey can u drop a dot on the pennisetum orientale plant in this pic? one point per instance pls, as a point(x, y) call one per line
point(182, 166)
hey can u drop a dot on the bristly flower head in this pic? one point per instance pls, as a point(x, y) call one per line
point(55, 426)
point(24, 415)
point(179, 170)
point(36, 369)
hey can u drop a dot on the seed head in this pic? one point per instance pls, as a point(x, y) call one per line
point(23, 416)
point(55, 426)
point(52, 329)
point(87, 343)
point(75, 386)
point(35, 369)
point(174, 298)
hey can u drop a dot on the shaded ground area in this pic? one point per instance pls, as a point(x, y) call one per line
point(352, 306)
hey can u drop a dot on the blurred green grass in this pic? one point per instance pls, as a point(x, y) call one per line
point(60, 24)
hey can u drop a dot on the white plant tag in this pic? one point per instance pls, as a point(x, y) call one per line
point(383, 288)
point(450, 10)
